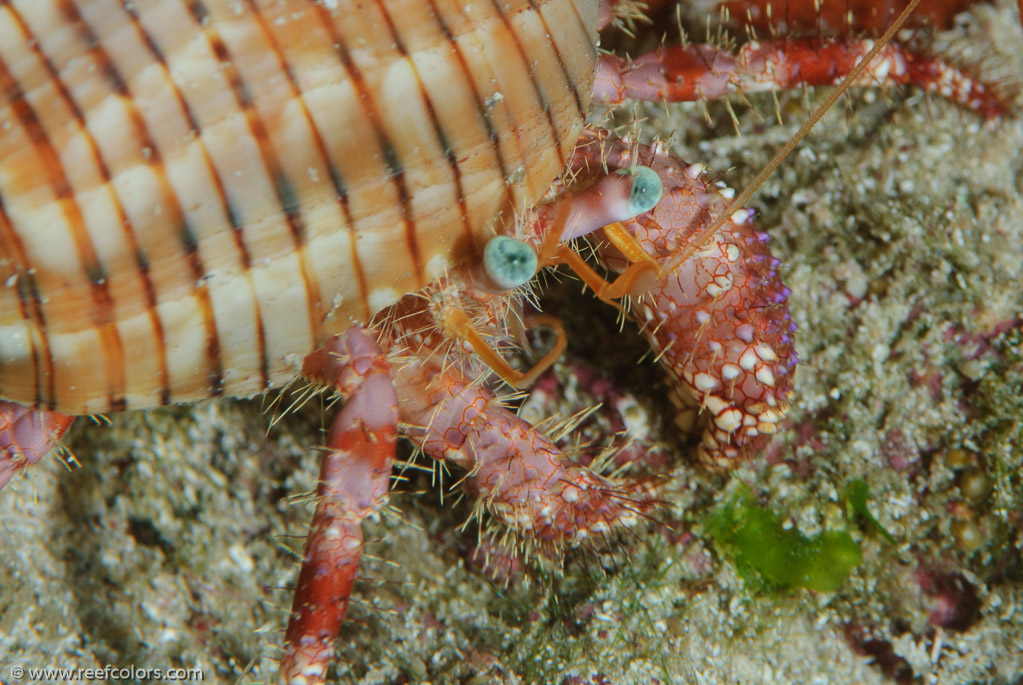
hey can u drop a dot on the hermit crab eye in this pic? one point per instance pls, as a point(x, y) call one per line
point(646, 189)
point(509, 262)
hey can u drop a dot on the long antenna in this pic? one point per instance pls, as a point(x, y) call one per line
point(784, 152)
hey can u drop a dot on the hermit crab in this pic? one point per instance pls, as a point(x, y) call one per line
point(422, 328)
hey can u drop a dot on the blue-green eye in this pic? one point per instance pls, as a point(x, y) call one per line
point(646, 189)
point(509, 262)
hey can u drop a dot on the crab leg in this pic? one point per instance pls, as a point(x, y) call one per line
point(514, 470)
point(26, 436)
point(850, 17)
point(354, 478)
point(718, 323)
point(705, 72)
point(516, 473)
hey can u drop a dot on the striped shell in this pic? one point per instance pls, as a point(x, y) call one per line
point(192, 192)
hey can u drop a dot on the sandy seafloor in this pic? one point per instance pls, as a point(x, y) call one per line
point(899, 223)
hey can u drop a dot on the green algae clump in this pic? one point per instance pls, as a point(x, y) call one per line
point(759, 545)
point(856, 495)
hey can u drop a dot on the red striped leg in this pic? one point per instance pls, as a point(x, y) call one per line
point(354, 479)
point(705, 72)
point(26, 436)
point(849, 17)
